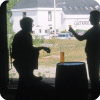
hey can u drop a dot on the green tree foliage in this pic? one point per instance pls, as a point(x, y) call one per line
point(10, 33)
point(10, 5)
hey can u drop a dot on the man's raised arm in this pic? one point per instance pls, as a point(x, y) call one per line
point(80, 38)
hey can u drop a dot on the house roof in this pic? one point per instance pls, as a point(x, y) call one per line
point(71, 6)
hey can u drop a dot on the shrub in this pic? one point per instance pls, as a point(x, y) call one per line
point(10, 38)
point(80, 30)
point(64, 31)
point(37, 40)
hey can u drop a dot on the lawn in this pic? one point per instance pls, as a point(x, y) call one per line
point(74, 51)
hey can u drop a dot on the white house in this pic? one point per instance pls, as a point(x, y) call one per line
point(73, 12)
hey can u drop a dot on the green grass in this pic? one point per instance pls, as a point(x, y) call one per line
point(74, 51)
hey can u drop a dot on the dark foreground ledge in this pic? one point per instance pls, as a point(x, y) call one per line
point(40, 91)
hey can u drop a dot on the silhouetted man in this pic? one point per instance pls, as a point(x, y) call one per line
point(92, 50)
point(25, 55)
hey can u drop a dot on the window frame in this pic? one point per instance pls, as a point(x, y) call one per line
point(24, 14)
point(49, 16)
point(39, 30)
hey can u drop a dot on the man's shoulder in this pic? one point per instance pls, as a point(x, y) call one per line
point(18, 34)
point(91, 30)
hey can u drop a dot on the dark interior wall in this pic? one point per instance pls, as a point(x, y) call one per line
point(3, 46)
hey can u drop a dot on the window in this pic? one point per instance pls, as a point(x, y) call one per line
point(50, 27)
point(81, 8)
point(39, 30)
point(63, 35)
point(66, 35)
point(45, 31)
point(57, 30)
point(70, 8)
point(76, 8)
point(64, 8)
point(24, 14)
point(33, 32)
point(91, 8)
point(86, 8)
point(49, 15)
point(96, 7)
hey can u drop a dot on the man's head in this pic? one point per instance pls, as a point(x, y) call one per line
point(26, 24)
point(94, 17)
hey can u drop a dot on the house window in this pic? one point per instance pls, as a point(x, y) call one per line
point(50, 27)
point(24, 14)
point(49, 15)
point(64, 8)
point(33, 32)
point(39, 30)
point(96, 7)
point(45, 31)
point(70, 8)
point(76, 8)
point(57, 30)
point(91, 8)
point(86, 8)
point(81, 8)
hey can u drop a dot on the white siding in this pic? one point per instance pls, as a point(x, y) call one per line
point(33, 15)
point(44, 23)
point(16, 18)
point(78, 22)
point(58, 20)
point(63, 23)
point(40, 17)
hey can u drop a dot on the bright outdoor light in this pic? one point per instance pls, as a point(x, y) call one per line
point(55, 5)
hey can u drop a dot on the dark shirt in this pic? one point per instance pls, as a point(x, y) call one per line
point(22, 45)
point(93, 41)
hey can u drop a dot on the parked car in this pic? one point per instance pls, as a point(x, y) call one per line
point(63, 36)
point(80, 32)
point(71, 34)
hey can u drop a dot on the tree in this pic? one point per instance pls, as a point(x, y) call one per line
point(10, 5)
point(10, 33)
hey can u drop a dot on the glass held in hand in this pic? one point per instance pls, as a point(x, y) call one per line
point(69, 25)
point(61, 55)
point(69, 28)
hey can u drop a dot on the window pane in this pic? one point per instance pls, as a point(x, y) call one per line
point(45, 31)
point(39, 30)
point(49, 15)
point(24, 14)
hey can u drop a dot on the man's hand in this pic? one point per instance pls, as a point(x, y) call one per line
point(71, 30)
point(47, 49)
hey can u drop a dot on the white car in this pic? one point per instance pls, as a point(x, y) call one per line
point(63, 36)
